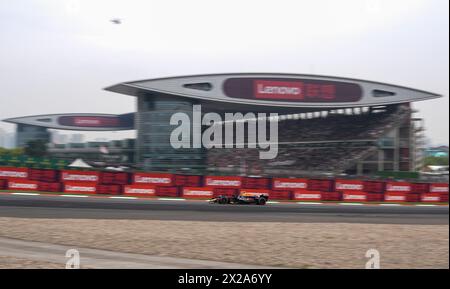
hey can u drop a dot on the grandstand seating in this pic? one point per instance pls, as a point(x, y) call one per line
point(324, 144)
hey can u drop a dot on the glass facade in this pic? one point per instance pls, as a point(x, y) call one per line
point(153, 148)
point(26, 133)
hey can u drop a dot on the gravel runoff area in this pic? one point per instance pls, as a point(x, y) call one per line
point(294, 245)
point(8, 262)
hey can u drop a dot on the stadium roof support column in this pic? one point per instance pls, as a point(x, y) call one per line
point(359, 168)
point(380, 160)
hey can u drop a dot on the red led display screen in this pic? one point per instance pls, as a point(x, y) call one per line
point(293, 90)
point(89, 121)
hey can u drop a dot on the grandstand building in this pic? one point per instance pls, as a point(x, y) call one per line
point(326, 124)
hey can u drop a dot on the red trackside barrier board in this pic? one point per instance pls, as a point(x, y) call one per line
point(255, 183)
point(289, 184)
point(190, 186)
point(398, 187)
point(109, 189)
point(349, 185)
point(431, 198)
point(22, 185)
point(188, 181)
point(139, 190)
point(395, 197)
point(43, 175)
point(80, 187)
point(439, 188)
point(13, 173)
point(167, 191)
point(280, 195)
point(420, 188)
point(223, 182)
point(49, 187)
point(331, 196)
point(375, 197)
point(79, 176)
point(155, 179)
point(374, 187)
point(321, 185)
point(224, 192)
point(354, 196)
point(304, 195)
point(413, 197)
point(114, 178)
point(197, 192)
point(3, 184)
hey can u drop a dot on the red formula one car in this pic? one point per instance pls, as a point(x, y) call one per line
point(244, 198)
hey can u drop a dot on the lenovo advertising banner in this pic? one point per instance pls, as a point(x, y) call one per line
point(289, 184)
point(223, 182)
point(155, 179)
point(141, 190)
point(80, 176)
point(304, 195)
point(430, 198)
point(395, 197)
point(439, 188)
point(22, 185)
point(197, 192)
point(80, 187)
point(398, 187)
point(349, 185)
point(353, 196)
point(13, 173)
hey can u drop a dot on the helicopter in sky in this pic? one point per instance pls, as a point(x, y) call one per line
point(116, 21)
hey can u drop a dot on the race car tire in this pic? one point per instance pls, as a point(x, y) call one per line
point(261, 202)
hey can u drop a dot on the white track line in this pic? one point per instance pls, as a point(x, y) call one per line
point(182, 199)
point(351, 204)
point(169, 199)
point(26, 194)
point(309, 203)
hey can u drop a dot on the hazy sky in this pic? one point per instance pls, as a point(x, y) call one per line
point(56, 55)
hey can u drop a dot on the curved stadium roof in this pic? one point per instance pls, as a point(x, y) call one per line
point(79, 121)
point(240, 92)
point(274, 91)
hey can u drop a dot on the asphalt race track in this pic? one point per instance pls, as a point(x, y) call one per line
point(152, 209)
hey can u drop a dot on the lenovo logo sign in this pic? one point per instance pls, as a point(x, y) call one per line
point(294, 90)
point(129, 190)
point(152, 180)
point(26, 186)
point(289, 185)
point(89, 121)
point(228, 183)
point(279, 89)
point(71, 188)
point(86, 121)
